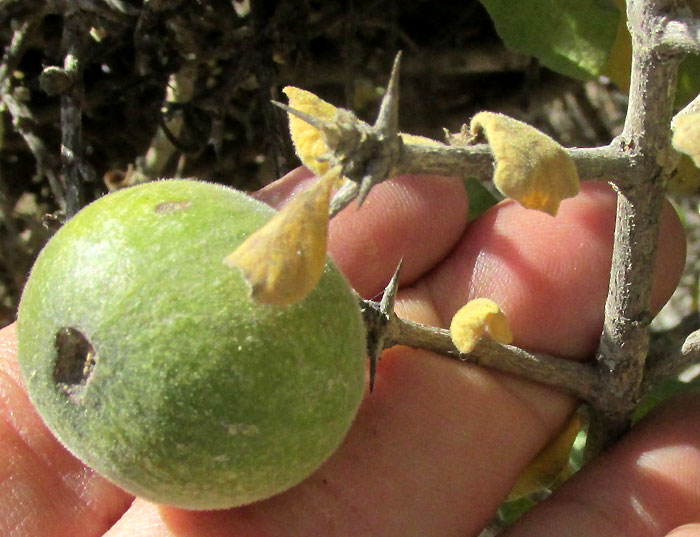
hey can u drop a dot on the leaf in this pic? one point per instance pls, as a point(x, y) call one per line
point(549, 465)
point(307, 139)
point(572, 38)
point(686, 180)
point(480, 198)
point(688, 81)
point(531, 167)
point(474, 319)
point(686, 136)
point(619, 63)
point(283, 261)
point(511, 510)
point(662, 392)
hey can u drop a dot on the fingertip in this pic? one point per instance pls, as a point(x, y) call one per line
point(279, 192)
point(687, 530)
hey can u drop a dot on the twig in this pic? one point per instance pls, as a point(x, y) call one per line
point(13, 53)
point(573, 378)
point(72, 152)
point(673, 351)
point(606, 162)
point(112, 10)
point(22, 118)
point(646, 139)
point(46, 163)
point(681, 36)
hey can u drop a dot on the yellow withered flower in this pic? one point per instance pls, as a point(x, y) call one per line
point(551, 464)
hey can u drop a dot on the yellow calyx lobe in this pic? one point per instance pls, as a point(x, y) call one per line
point(307, 139)
point(283, 260)
point(686, 136)
point(531, 167)
point(476, 318)
point(551, 464)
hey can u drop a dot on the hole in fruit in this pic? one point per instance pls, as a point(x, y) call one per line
point(172, 206)
point(75, 362)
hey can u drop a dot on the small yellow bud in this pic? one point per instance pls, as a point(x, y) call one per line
point(474, 319)
point(531, 167)
point(283, 261)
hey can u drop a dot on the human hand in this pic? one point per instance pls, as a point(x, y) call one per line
point(438, 444)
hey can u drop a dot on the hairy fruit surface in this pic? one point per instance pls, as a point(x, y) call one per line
point(145, 355)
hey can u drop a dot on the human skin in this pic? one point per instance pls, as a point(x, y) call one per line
point(438, 444)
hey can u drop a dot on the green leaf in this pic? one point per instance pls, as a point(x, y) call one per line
point(480, 197)
point(572, 38)
point(665, 390)
point(688, 80)
point(511, 511)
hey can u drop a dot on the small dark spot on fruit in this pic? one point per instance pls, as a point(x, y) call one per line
point(75, 362)
point(172, 206)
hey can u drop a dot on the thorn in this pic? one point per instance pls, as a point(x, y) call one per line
point(343, 197)
point(386, 306)
point(373, 359)
point(323, 126)
point(386, 128)
point(365, 187)
point(388, 118)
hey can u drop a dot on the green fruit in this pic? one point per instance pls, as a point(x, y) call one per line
point(146, 357)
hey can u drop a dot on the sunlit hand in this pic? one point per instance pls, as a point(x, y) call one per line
point(437, 446)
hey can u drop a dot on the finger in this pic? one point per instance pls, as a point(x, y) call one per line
point(418, 218)
point(689, 530)
point(278, 193)
point(142, 519)
point(44, 490)
point(645, 486)
point(436, 447)
point(550, 275)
